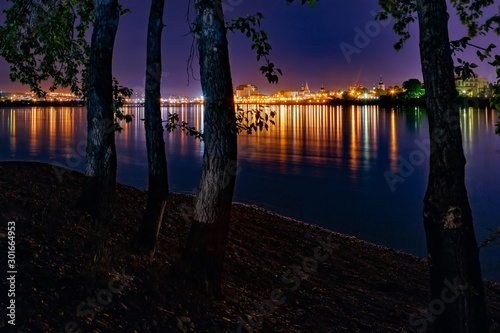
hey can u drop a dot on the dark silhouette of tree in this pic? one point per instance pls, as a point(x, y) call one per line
point(204, 253)
point(413, 88)
point(451, 242)
point(100, 171)
point(39, 42)
point(147, 234)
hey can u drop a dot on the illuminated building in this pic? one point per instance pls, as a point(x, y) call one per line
point(472, 86)
point(381, 84)
point(246, 90)
point(287, 94)
point(305, 91)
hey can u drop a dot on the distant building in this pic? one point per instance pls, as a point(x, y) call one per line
point(381, 84)
point(287, 94)
point(177, 99)
point(355, 87)
point(473, 86)
point(246, 90)
point(304, 91)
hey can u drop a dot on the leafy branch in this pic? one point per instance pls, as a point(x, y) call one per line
point(469, 12)
point(404, 12)
point(465, 68)
point(38, 41)
point(47, 40)
point(173, 123)
point(252, 120)
point(245, 121)
point(260, 42)
point(119, 94)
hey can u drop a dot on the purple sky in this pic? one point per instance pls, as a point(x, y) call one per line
point(307, 45)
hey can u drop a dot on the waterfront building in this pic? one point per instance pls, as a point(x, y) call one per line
point(287, 94)
point(304, 91)
point(381, 84)
point(473, 86)
point(246, 90)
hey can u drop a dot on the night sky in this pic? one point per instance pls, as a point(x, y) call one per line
point(306, 46)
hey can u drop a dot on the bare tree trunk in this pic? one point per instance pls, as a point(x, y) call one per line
point(451, 242)
point(204, 253)
point(100, 173)
point(147, 235)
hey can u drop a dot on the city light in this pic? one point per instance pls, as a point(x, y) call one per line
point(249, 94)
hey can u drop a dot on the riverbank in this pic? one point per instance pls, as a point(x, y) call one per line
point(383, 101)
point(30, 103)
point(65, 265)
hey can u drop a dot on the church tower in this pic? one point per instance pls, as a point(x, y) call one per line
point(381, 84)
point(307, 92)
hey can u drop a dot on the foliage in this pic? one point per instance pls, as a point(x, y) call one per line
point(394, 90)
point(347, 95)
point(253, 120)
point(38, 40)
point(471, 14)
point(413, 89)
point(47, 40)
point(260, 44)
point(173, 123)
point(245, 121)
point(404, 11)
point(119, 94)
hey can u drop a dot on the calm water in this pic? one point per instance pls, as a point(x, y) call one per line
point(324, 165)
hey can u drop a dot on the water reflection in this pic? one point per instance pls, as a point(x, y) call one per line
point(317, 135)
point(37, 131)
point(355, 137)
point(320, 164)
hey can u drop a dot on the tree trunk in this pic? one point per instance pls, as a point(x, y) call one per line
point(100, 173)
point(204, 252)
point(451, 242)
point(147, 235)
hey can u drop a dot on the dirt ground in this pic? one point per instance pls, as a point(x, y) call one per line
point(280, 275)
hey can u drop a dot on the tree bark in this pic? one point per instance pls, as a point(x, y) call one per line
point(204, 253)
point(100, 173)
point(451, 242)
point(147, 235)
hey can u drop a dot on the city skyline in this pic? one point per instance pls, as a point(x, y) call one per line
point(335, 45)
